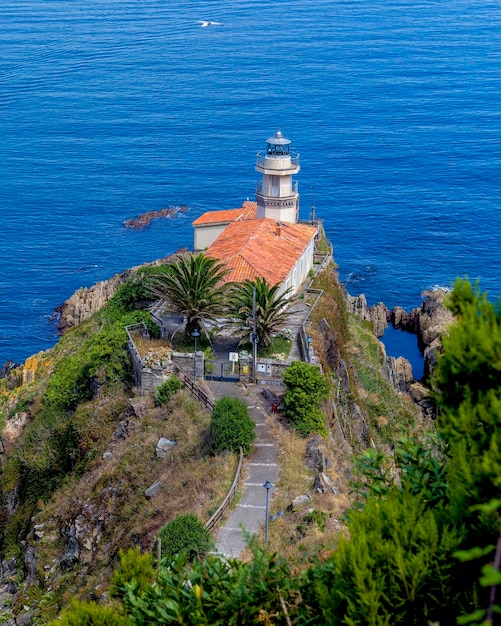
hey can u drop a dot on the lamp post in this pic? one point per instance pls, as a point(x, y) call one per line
point(254, 338)
point(267, 485)
point(308, 342)
point(195, 334)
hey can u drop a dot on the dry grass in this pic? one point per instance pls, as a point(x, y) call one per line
point(108, 501)
point(299, 541)
point(145, 345)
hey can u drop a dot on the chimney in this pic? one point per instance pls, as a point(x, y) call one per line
point(278, 232)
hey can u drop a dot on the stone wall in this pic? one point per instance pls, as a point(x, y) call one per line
point(155, 368)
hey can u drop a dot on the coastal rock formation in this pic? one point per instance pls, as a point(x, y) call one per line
point(399, 372)
point(88, 300)
point(7, 368)
point(379, 314)
point(146, 218)
point(421, 396)
point(428, 321)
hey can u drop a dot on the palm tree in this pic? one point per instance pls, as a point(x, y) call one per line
point(193, 287)
point(271, 309)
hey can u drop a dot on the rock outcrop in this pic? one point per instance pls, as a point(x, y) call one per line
point(144, 220)
point(399, 372)
point(379, 314)
point(422, 397)
point(7, 368)
point(428, 321)
point(88, 300)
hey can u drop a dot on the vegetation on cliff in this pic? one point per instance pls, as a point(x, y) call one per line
point(306, 389)
point(257, 302)
point(413, 542)
point(421, 541)
point(73, 485)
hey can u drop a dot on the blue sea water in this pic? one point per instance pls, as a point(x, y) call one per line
point(111, 108)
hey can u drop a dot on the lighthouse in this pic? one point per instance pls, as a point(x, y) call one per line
point(277, 197)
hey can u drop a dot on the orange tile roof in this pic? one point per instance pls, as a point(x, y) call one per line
point(252, 248)
point(246, 211)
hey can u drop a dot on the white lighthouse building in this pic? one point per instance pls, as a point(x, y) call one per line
point(263, 238)
point(277, 196)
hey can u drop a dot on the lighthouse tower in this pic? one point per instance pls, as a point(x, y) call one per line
point(276, 193)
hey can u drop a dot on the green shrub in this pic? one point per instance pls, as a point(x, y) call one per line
point(135, 569)
point(231, 426)
point(103, 355)
point(187, 534)
point(167, 390)
point(131, 295)
point(90, 614)
point(305, 390)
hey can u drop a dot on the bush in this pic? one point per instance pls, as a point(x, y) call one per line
point(136, 569)
point(131, 295)
point(187, 534)
point(231, 426)
point(167, 390)
point(90, 614)
point(305, 390)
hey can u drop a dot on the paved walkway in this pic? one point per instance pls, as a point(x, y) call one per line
point(296, 315)
point(250, 513)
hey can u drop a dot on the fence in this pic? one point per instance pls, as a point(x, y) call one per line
point(194, 389)
point(215, 517)
point(225, 504)
point(226, 371)
point(303, 336)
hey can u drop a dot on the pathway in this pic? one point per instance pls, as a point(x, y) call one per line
point(296, 315)
point(249, 514)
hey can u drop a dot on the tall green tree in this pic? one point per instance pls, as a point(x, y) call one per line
point(271, 309)
point(468, 391)
point(194, 288)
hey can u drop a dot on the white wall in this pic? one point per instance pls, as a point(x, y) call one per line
point(205, 235)
point(299, 272)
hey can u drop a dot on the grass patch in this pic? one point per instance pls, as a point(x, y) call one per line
point(389, 412)
point(291, 535)
point(185, 343)
point(322, 245)
point(109, 501)
point(280, 346)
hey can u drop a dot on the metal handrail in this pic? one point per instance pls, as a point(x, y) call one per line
point(225, 504)
point(306, 353)
point(194, 389)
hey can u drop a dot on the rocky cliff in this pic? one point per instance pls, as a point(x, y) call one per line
point(88, 300)
point(378, 314)
point(427, 321)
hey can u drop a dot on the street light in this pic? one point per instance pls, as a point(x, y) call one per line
point(308, 342)
point(195, 334)
point(267, 485)
point(254, 337)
